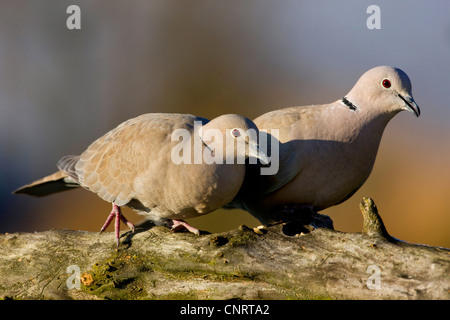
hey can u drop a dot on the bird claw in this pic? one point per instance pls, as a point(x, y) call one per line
point(180, 225)
point(117, 214)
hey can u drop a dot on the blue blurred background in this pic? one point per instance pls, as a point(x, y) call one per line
point(61, 89)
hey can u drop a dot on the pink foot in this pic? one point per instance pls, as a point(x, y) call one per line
point(117, 214)
point(179, 225)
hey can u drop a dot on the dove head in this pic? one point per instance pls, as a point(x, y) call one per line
point(235, 136)
point(383, 90)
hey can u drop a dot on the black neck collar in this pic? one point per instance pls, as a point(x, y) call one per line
point(349, 104)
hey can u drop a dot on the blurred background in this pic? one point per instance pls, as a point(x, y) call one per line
point(61, 89)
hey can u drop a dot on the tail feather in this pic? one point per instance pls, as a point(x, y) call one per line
point(59, 181)
point(67, 165)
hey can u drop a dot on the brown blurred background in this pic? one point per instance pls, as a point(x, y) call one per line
point(62, 89)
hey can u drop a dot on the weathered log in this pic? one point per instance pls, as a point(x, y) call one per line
point(260, 263)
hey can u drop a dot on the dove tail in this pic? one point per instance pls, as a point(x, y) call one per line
point(53, 183)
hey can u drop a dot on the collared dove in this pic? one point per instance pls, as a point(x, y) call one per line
point(326, 152)
point(138, 164)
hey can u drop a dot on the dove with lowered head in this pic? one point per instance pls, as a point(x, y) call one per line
point(135, 165)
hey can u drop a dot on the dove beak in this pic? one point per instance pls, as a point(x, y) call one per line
point(411, 105)
point(255, 151)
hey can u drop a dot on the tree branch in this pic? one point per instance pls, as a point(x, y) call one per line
point(260, 263)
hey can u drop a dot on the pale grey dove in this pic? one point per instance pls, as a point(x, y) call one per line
point(138, 164)
point(326, 151)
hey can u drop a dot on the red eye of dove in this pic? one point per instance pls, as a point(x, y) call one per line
point(386, 83)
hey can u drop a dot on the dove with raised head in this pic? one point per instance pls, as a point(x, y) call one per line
point(326, 152)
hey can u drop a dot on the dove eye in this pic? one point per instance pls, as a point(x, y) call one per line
point(386, 83)
point(235, 133)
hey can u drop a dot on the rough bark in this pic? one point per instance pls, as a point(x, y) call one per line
point(245, 263)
